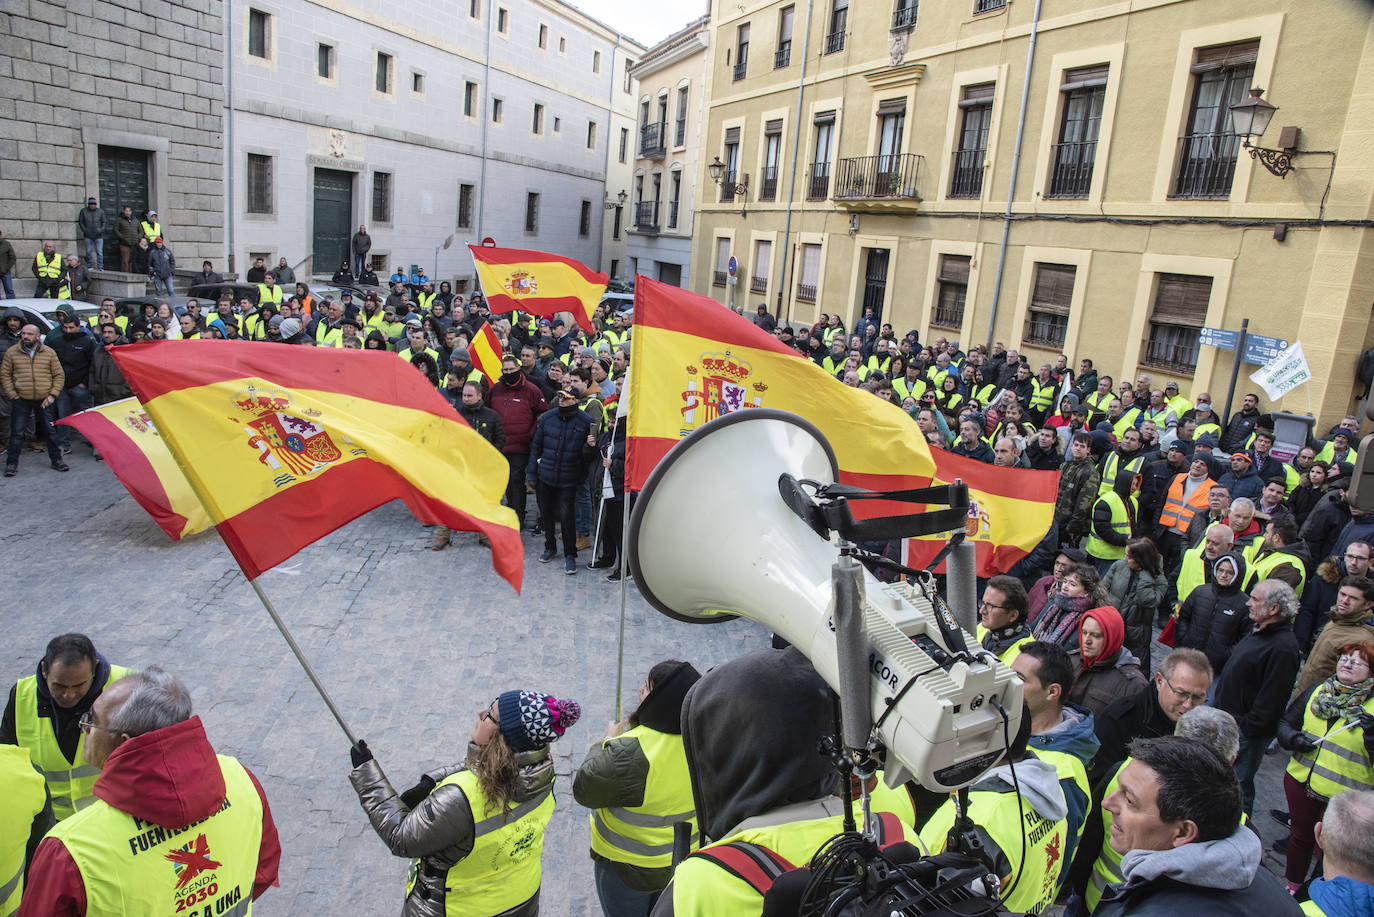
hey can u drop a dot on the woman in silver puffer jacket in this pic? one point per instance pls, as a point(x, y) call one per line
point(477, 829)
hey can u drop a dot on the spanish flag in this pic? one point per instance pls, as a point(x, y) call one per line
point(538, 283)
point(283, 445)
point(485, 350)
point(695, 360)
point(128, 441)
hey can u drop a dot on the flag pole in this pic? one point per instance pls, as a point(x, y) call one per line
point(300, 657)
point(624, 594)
point(601, 504)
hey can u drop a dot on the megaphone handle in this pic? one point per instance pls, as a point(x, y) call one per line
point(851, 648)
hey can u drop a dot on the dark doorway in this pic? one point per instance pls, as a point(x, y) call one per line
point(875, 282)
point(333, 219)
point(670, 273)
point(123, 180)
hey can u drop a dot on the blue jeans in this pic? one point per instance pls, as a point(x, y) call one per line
point(95, 253)
point(1248, 761)
point(70, 401)
point(617, 899)
point(583, 506)
point(358, 263)
point(8, 281)
point(162, 286)
point(21, 410)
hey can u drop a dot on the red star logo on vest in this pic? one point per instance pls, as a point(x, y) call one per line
point(1052, 853)
point(193, 860)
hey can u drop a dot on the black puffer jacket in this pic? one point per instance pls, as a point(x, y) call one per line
point(1324, 525)
point(559, 452)
point(1214, 618)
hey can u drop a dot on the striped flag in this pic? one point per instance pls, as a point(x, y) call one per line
point(538, 283)
point(283, 445)
point(485, 350)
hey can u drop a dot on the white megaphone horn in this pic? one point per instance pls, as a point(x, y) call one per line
point(712, 538)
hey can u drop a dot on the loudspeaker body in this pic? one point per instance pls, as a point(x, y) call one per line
point(711, 538)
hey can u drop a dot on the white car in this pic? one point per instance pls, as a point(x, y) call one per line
point(43, 312)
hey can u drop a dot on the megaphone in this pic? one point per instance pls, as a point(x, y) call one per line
point(712, 538)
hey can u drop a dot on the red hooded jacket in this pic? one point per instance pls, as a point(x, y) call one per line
point(168, 777)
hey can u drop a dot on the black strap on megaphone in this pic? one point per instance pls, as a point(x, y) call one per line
point(829, 510)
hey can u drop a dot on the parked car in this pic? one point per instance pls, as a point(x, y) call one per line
point(43, 312)
point(209, 292)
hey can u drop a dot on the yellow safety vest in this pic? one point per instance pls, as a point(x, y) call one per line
point(150, 230)
point(1128, 419)
point(424, 299)
point(503, 868)
point(1192, 572)
point(1008, 654)
point(70, 782)
point(1337, 764)
point(896, 800)
point(1111, 468)
point(613, 338)
point(48, 270)
point(828, 334)
point(1212, 428)
point(1107, 866)
point(1309, 907)
point(642, 835)
point(1072, 771)
point(832, 367)
point(1000, 814)
point(1042, 396)
point(936, 376)
point(905, 391)
point(268, 294)
point(433, 355)
point(1262, 567)
point(1291, 478)
point(23, 799)
point(133, 867)
point(1098, 401)
point(1121, 524)
point(1178, 405)
point(122, 323)
point(984, 394)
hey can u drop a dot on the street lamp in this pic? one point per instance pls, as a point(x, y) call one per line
point(1249, 119)
point(618, 202)
point(717, 169)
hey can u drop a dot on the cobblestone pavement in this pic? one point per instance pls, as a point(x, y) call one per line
point(409, 642)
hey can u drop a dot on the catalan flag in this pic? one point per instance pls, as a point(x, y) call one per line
point(694, 360)
point(128, 441)
point(284, 445)
point(485, 350)
point(538, 283)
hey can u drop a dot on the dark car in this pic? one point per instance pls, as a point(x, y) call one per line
point(209, 292)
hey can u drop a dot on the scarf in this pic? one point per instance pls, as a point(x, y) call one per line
point(1335, 699)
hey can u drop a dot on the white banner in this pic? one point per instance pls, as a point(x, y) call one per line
point(1284, 373)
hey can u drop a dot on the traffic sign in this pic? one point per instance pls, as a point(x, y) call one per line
point(733, 266)
point(1219, 337)
point(1261, 349)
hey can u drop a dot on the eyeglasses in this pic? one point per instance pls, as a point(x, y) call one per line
point(487, 716)
point(1352, 660)
point(1349, 556)
point(990, 605)
point(87, 723)
point(1183, 695)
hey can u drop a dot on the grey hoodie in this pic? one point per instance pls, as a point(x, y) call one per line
point(1039, 781)
point(1229, 863)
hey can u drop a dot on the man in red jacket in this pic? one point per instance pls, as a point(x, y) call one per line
point(175, 827)
point(518, 402)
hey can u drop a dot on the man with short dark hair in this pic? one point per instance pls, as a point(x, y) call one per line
point(1279, 555)
point(970, 445)
point(1349, 618)
point(1176, 818)
point(1002, 618)
point(163, 799)
point(1182, 683)
point(31, 376)
point(44, 711)
point(519, 403)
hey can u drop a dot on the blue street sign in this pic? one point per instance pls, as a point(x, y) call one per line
point(734, 265)
point(1261, 349)
point(1219, 337)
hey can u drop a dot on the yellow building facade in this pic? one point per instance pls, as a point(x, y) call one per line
point(1063, 176)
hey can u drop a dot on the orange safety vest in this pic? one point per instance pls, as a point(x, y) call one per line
point(1178, 512)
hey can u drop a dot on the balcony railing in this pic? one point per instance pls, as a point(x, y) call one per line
point(818, 181)
point(727, 186)
point(1073, 168)
point(878, 177)
point(680, 134)
point(740, 68)
point(834, 42)
point(768, 185)
point(672, 214)
point(1047, 329)
point(651, 140)
point(967, 173)
point(948, 314)
point(783, 56)
point(646, 216)
point(806, 292)
point(1172, 347)
point(718, 278)
point(904, 17)
point(758, 284)
point(1206, 165)
point(987, 6)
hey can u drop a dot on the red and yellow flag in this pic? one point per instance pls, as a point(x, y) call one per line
point(286, 444)
point(129, 443)
point(695, 360)
point(538, 283)
point(485, 350)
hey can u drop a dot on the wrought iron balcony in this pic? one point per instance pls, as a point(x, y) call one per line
point(1206, 165)
point(718, 278)
point(741, 68)
point(646, 216)
point(967, 173)
point(768, 185)
point(1073, 169)
point(651, 137)
point(783, 56)
point(758, 284)
point(806, 292)
point(818, 181)
point(680, 135)
point(987, 6)
point(871, 178)
point(729, 190)
point(834, 42)
point(672, 214)
point(904, 16)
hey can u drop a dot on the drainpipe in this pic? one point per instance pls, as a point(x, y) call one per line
point(484, 112)
point(229, 134)
point(1015, 167)
point(783, 255)
point(610, 132)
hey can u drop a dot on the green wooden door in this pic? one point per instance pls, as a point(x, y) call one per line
point(333, 219)
point(123, 179)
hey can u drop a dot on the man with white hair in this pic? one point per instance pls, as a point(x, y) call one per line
point(1347, 882)
point(1259, 675)
point(173, 822)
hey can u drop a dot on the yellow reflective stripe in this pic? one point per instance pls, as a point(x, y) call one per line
point(501, 819)
point(641, 820)
point(628, 844)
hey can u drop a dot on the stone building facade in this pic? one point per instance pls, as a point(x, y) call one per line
point(117, 103)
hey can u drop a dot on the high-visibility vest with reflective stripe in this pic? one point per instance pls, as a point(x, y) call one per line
point(1121, 524)
point(986, 640)
point(131, 867)
point(70, 782)
point(936, 376)
point(999, 813)
point(48, 270)
point(150, 230)
point(1073, 774)
point(1192, 572)
point(905, 391)
point(701, 887)
point(1209, 427)
point(1339, 763)
point(1042, 395)
point(425, 299)
point(503, 868)
point(642, 835)
point(1098, 401)
point(1111, 467)
point(1128, 419)
point(268, 294)
point(983, 394)
point(1291, 478)
point(1178, 404)
point(613, 337)
point(1107, 866)
point(120, 321)
point(1261, 567)
point(23, 799)
point(828, 334)
point(1178, 512)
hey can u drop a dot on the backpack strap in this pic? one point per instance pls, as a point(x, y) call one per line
point(757, 866)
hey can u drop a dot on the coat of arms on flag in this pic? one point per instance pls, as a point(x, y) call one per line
point(301, 447)
point(521, 283)
point(724, 389)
